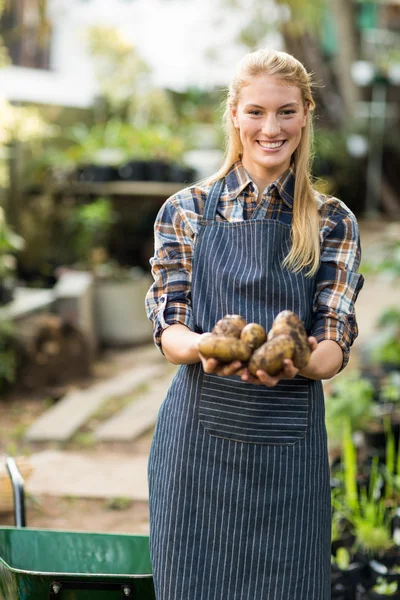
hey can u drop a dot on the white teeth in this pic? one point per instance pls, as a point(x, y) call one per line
point(271, 144)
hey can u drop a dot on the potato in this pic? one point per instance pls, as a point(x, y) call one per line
point(230, 326)
point(223, 348)
point(270, 356)
point(287, 322)
point(253, 335)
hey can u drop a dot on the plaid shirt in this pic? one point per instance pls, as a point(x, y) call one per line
point(177, 225)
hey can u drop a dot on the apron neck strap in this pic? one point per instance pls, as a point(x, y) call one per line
point(212, 200)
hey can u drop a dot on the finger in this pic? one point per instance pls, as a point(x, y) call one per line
point(312, 341)
point(229, 369)
point(210, 365)
point(266, 379)
point(289, 370)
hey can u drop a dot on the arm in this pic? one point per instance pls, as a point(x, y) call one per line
point(338, 284)
point(179, 345)
point(168, 300)
point(325, 361)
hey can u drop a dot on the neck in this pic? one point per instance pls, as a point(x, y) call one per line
point(263, 177)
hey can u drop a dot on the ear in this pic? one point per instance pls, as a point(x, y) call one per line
point(234, 117)
point(306, 112)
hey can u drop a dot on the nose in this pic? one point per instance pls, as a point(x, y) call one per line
point(271, 126)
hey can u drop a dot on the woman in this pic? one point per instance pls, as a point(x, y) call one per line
point(238, 469)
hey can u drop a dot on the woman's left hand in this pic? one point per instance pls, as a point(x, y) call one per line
point(289, 371)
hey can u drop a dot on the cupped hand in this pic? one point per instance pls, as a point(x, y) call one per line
point(213, 366)
point(289, 371)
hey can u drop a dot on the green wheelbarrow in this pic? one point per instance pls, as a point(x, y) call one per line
point(40, 564)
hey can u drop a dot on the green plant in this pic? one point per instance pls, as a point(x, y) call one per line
point(384, 348)
point(110, 143)
point(392, 463)
point(342, 559)
point(385, 588)
point(351, 398)
point(10, 243)
point(8, 359)
point(120, 503)
point(388, 352)
point(390, 390)
point(389, 317)
point(365, 509)
point(89, 227)
point(116, 142)
point(384, 260)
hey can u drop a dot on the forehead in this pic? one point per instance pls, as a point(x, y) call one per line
point(265, 89)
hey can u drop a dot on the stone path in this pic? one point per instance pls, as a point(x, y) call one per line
point(63, 419)
point(74, 474)
point(139, 416)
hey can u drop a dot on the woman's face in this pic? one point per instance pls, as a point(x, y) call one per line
point(270, 116)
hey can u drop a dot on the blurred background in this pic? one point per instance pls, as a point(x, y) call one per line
point(107, 108)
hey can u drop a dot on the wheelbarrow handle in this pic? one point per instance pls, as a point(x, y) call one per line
point(17, 483)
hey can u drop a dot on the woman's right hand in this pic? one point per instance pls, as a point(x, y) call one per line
point(213, 366)
point(180, 346)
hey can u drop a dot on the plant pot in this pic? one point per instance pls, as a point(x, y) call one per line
point(368, 594)
point(96, 173)
point(375, 438)
point(339, 592)
point(120, 315)
point(346, 581)
point(157, 170)
point(182, 174)
point(378, 569)
point(7, 289)
point(345, 541)
point(133, 170)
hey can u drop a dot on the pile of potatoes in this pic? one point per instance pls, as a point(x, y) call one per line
point(233, 339)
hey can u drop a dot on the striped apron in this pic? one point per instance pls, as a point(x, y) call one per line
point(238, 473)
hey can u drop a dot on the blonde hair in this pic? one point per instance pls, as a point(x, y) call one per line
point(305, 250)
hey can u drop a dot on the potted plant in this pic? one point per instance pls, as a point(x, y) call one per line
point(384, 348)
point(10, 243)
point(161, 151)
point(8, 359)
point(119, 290)
point(369, 512)
point(381, 590)
point(119, 304)
point(98, 151)
point(351, 398)
point(346, 573)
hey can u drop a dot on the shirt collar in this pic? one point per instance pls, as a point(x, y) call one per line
point(237, 179)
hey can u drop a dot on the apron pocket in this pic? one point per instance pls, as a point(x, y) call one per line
point(232, 409)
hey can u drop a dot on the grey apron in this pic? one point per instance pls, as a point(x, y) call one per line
point(238, 473)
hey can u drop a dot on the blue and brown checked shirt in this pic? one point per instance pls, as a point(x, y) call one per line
point(168, 301)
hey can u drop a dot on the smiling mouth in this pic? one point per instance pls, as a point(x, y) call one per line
point(271, 145)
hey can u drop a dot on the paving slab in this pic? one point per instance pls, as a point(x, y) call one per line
point(136, 418)
point(106, 475)
point(63, 419)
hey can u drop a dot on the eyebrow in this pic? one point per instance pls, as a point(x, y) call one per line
point(284, 105)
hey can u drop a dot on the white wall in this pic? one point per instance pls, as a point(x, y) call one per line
point(173, 36)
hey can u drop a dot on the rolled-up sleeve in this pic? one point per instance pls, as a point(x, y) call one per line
point(338, 285)
point(168, 300)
